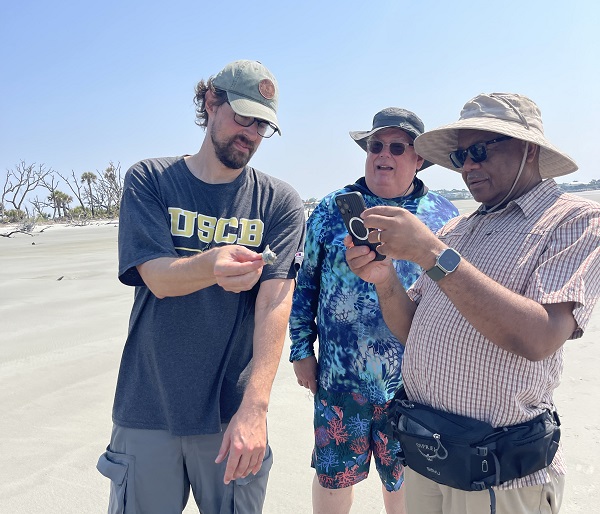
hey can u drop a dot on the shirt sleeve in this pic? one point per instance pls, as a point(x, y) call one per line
point(569, 269)
point(144, 232)
point(303, 326)
point(285, 235)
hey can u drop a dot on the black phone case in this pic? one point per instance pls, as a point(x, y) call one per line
point(350, 206)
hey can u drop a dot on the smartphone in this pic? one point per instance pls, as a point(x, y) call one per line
point(350, 206)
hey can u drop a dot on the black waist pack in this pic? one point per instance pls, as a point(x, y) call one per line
point(468, 454)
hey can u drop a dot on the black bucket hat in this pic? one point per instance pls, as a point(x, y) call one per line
point(392, 117)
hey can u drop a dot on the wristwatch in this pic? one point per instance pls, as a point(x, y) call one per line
point(445, 263)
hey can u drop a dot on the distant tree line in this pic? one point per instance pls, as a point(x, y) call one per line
point(32, 193)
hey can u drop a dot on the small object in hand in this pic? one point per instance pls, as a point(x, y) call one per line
point(268, 255)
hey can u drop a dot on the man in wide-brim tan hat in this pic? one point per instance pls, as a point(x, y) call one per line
point(504, 288)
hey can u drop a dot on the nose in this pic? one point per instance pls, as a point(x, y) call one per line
point(470, 164)
point(251, 132)
point(385, 151)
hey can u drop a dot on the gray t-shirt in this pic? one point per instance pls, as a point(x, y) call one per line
point(187, 358)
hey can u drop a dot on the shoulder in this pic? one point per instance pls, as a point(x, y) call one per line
point(156, 164)
point(276, 188)
point(154, 167)
point(579, 203)
point(552, 206)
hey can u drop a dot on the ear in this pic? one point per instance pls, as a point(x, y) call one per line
point(533, 151)
point(209, 102)
point(420, 162)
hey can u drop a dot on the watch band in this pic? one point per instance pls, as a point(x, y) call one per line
point(436, 273)
point(445, 263)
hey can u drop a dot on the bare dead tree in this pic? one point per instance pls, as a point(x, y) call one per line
point(51, 184)
point(39, 207)
point(22, 180)
point(109, 188)
point(75, 186)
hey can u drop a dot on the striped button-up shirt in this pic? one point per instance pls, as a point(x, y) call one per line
point(544, 246)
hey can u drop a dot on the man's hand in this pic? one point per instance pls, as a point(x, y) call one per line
point(237, 268)
point(245, 441)
point(306, 372)
point(361, 261)
point(402, 235)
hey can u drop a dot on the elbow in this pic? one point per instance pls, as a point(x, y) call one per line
point(534, 350)
point(158, 292)
point(152, 280)
point(157, 288)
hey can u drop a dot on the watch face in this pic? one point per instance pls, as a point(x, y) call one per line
point(449, 260)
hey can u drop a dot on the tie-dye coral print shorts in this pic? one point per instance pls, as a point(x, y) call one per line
point(348, 430)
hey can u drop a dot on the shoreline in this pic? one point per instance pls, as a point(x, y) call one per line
point(464, 205)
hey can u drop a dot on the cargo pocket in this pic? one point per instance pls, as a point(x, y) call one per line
point(249, 493)
point(119, 469)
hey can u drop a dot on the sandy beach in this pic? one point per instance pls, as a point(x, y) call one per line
point(64, 318)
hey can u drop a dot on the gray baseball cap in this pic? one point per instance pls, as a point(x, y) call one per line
point(392, 117)
point(251, 90)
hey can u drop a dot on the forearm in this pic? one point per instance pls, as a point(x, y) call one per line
point(235, 268)
point(396, 307)
point(178, 276)
point(272, 312)
point(517, 324)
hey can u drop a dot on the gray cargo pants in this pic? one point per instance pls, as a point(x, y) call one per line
point(151, 472)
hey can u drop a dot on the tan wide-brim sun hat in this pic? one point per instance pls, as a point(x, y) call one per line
point(501, 113)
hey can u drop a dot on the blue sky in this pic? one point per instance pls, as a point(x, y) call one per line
point(83, 84)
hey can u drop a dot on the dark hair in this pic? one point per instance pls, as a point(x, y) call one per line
point(200, 100)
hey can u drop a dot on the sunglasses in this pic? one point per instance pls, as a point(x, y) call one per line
point(477, 152)
point(374, 146)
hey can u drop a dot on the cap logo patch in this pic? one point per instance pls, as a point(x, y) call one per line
point(266, 88)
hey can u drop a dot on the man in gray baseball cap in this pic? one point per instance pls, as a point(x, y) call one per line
point(359, 359)
point(210, 312)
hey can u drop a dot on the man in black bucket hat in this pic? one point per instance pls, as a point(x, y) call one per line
point(359, 359)
point(504, 288)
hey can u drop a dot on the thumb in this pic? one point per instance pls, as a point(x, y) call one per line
point(224, 450)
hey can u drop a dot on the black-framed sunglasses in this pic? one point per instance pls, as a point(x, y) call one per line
point(375, 147)
point(477, 152)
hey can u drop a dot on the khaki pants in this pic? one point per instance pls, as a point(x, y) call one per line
point(424, 496)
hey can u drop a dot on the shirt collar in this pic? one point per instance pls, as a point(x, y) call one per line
point(532, 203)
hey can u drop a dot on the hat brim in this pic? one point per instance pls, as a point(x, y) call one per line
point(246, 107)
point(435, 145)
point(360, 138)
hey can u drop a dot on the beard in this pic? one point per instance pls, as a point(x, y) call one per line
point(229, 156)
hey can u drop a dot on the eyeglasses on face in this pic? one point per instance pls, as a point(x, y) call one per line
point(375, 147)
point(477, 152)
point(264, 128)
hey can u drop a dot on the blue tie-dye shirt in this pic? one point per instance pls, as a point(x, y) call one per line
point(357, 352)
